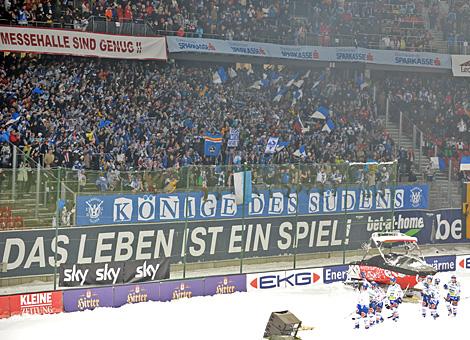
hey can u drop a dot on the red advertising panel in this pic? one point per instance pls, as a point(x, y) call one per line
point(4, 307)
point(36, 303)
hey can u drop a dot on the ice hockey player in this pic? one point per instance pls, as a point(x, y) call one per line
point(426, 295)
point(362, 307)
point(453, 295)
point(394, 297)
point(434, 298)
point(377, 296)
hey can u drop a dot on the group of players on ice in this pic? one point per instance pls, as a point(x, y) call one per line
point(372, 298)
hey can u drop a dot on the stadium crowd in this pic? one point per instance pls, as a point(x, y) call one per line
point(118, 115)
point(454, 23)
point(388, 24)
point(102, 115)
point(440, 107)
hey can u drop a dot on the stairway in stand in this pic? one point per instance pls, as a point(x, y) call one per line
point(440, 186)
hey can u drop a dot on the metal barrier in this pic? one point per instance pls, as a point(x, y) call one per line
point(46, 197)
point(32, 191)
point(141, 27)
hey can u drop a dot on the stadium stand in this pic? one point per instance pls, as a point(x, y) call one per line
point(452, 19)
point(134, 115)
point(440, 107)
point(384, 24)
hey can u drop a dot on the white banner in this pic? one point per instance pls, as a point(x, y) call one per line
point(461, 65)
point(463, 263)
point(234, 138)
point(271, 145)
point(313, 53)
point(79, 43)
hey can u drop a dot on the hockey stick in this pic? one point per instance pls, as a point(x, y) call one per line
point(349, 315)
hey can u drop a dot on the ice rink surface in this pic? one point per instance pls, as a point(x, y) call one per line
point(241, 316)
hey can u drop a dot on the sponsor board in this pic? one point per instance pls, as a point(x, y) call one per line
point(461, 65)
point(4, 307)
point(283, 279)
point(429, 226)
point(32, 251)
point(335, 273)
point(121, 209)
point(309, 53)
point(442, 263)
point(136, 293)
point(176, 290)
point(463, 263)
point(36, 303)
point(114, 272)
point(224, 284)
point(381, 275)
point(80, 43)
point(87, 299)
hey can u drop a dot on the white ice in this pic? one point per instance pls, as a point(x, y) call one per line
point(241, 316)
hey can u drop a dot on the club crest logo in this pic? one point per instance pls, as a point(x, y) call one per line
point(94, 209)
point(416, 197)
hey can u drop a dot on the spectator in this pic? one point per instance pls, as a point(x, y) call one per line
point(353, 23)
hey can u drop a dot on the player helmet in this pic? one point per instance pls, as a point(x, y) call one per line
point(365, 286)
point(374, 284)
point(453, 278)
point(393, 280)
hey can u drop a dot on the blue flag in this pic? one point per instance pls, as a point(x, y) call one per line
point(329, 126)
point(321, 113)
point(104, 123)
point(219, 76)
point(212, 144)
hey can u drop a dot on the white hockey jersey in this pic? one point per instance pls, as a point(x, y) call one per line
point(394, 292)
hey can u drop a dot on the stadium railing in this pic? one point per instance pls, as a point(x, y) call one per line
point(39, 194)
point(142, 27)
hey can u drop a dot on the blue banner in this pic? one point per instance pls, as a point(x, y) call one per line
point(442, 263)
point(144, 208)
point(212, 144)
point(429, 226)
point(335, 273)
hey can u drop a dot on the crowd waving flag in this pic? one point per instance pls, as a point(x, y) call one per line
point(271, 145)
point(212, 144)
point(321, 113)
point(329, 126)
point(300, 152)
point(219, 76)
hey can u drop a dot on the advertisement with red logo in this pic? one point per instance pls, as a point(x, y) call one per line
point(283, 279)
point(381, 275)
point(463, 263)
point(36, 303)
point(4, 307)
